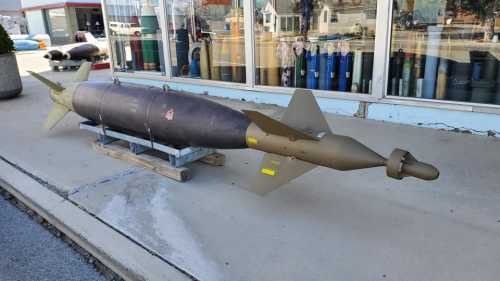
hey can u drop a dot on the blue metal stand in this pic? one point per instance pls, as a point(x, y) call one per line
point(177, 157)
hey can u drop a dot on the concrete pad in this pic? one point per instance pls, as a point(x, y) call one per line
point(116, 251)
point(326, 225)
point(63, 156)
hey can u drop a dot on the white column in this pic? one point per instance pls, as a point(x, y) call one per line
point(382, 48)
point(165, 38)
point(108, 38)
point(249, 24)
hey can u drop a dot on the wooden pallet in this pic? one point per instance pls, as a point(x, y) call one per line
point(144, 160)
point(160, 158)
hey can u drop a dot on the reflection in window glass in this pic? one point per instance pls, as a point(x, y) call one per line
point(207, 39)
point(135, 35)
point(445, 50)
point(315, 44)
point(58, 26)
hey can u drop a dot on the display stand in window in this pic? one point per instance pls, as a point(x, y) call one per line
point(447, 50)
point(323, 45)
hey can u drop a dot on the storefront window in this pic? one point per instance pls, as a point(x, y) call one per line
point(207, 39)
point(135, 35)
point(58, 26)
point(445, 50)
point(315, 44)
point(90, 19)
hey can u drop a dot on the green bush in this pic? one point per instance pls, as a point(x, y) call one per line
point(6, 45)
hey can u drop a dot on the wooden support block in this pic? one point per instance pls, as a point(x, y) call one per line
point(147, 161)
point(215, 159)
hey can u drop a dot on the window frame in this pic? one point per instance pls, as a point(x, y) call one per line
point(379, 94)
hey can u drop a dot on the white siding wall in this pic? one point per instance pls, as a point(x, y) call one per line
point(35, 21)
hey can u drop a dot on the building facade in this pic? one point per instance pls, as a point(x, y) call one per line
point(11, 18)
point(61, 19)
point(432, 63)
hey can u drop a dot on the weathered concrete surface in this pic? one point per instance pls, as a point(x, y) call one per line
point(326, 225)
point(60, 156)
point(123, 256)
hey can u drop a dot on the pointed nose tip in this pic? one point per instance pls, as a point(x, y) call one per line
point(421, 170)
point(402, 164)
point(47, 56)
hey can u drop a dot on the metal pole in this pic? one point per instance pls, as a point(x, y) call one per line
point(165, 38)
point(382, 48)
point(108, 37)
point(249, 23)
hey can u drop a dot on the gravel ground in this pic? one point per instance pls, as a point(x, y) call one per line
point(29, 252)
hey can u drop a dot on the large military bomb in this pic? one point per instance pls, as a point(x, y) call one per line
point(300, 141)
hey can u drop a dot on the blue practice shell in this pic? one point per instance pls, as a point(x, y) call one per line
point(26, 45)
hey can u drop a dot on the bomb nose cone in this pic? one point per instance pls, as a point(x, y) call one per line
point(402, 164)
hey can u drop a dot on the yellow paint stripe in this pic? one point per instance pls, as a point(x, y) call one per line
point(269, 172)
point(252, 140)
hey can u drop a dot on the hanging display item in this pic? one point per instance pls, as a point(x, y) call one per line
point(269, 62)
point(406, 80)
point(431, 61)
point(331, 67)
point(442, 73)
point(458, 86)
point(182, 51)
point(300, 64)
point(418, 71)
point(312, 57)
point(327, 67)
point(237, 48)
point(273, 62)
point(345, 65)
point(442, 79)
point(204, 60)
point(120, 55)
point(214, 54)
point(324, 76)
point(356, 72)
point(226, 70)
point(136, 47)
point(287, 57)
point(149, 29)
point(397, 72)
point(366, 81)
point(484, 71)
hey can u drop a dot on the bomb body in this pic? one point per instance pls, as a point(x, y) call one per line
point(163, 115)
point(294, 145)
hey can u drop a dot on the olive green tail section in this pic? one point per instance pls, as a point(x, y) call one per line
point(55, 115)
point(304, 114)
point(83, 72)
point(61, 96)
point(274, 127)
point(52, 85)
point(277, 170)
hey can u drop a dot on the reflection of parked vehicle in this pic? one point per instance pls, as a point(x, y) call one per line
point(124, 28)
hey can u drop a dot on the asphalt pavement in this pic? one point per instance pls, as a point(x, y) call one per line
point(29, 252)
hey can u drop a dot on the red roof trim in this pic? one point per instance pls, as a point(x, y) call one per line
point(61, 5)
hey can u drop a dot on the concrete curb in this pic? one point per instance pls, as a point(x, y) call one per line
point(114, 250)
